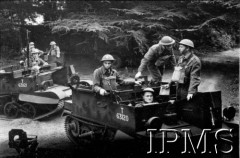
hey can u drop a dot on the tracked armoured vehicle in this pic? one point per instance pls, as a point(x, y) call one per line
point(34, 96)
point(90, 118)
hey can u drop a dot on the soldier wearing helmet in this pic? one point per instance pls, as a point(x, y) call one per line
point(191, 66)
point(147, 97)
point(35, 59)
point(156, 57)
point(106, 78)
point(31, 49)
point(54, 53)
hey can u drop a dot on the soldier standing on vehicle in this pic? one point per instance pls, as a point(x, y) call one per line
point(156, 57)
point(190, 65)
point(54, 53)
point(106, 78)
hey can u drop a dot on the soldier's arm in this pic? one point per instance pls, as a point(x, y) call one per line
point(147, 57)
point(43, 62)
point(58, 52)
point(96, 81)
point(121, 81)
point(195, 78)
point(173, 59)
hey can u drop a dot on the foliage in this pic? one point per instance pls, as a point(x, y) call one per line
point(13, 15)
point(129, 26)
point(122, 22)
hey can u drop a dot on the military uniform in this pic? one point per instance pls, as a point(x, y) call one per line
point(107, 79)
point(31, 50)
point(38, 61)
point(155, 59)
point(192, 67)
point(53, 55)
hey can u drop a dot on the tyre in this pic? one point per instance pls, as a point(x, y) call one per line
point(11, 109)
point(28, 110)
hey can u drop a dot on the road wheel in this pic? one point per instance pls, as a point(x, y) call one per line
point(82, 135)
point(73, 129)
point(11, 109)
point(28, 110)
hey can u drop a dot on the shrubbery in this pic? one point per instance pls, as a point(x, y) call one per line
point(128, 26)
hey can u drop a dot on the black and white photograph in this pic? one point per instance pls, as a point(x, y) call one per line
point(119, 79)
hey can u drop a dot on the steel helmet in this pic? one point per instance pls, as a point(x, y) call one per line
point(52, 43)
point(148, 90)
point(187, 42)
point(166, 40)
point(31, 43)
point(107, 57)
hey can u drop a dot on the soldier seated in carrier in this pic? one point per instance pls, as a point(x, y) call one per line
point(106, 78)
point(148, 98)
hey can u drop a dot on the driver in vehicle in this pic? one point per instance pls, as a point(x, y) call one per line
point(105, 78)
point(147, 98)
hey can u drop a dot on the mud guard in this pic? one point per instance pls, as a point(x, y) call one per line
point(51, 96)
point(39, 98)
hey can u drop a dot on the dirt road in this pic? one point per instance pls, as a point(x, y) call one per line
point(50, 133)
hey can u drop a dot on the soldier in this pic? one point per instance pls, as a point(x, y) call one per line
point(31, 49)
point(35, 59)
point(156, 57)
point(191, 66)
point(54, 53)
point(31, 46)
point(106, 78)
point(147, 97)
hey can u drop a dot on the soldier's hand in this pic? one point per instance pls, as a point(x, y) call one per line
point(189, 96)
point(166, 86)
point(103, 92)
point(138, 75)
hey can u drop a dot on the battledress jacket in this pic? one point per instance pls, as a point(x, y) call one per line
point(99, 75)
point(156, 56)
point(54, 52)
point(192, 65)
point(39, 61)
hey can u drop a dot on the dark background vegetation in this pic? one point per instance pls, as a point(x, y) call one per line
point(124, 28)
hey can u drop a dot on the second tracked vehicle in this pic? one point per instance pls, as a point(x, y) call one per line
point(35, 95)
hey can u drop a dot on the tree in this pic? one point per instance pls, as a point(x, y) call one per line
point(143, 23)
point(13, 15)
point(126, 26)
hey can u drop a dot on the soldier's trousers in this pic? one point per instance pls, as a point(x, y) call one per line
point(156, 72)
